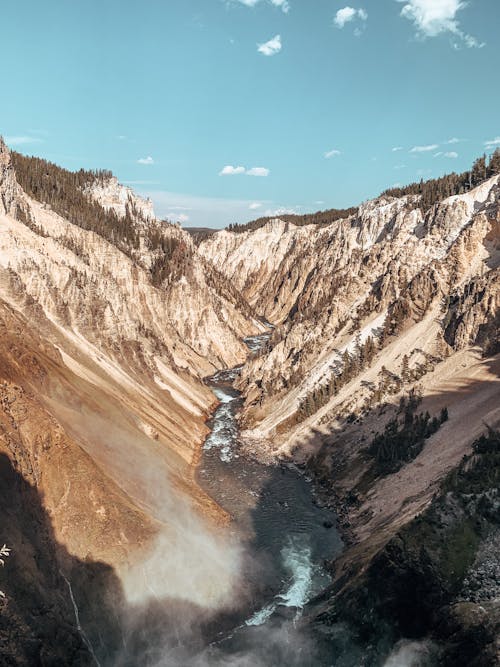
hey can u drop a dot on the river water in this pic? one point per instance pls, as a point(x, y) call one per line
point(286, 535)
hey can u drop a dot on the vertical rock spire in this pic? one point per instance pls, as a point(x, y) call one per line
point(8, 184)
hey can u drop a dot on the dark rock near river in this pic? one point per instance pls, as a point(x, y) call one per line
point(437, 577)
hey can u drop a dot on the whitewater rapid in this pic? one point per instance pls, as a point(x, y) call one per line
point(307, 579)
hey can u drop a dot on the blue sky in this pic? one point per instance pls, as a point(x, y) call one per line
point(225, 110)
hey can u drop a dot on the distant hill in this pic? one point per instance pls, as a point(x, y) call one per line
point(200, 233)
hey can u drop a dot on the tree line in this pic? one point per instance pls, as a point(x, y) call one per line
point(320, 218)
point(436, 189)
point(430, 192)
point(65, 192)
point(404, 436)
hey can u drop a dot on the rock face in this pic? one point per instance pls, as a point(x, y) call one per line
point(9, 187)
point(379, 274)
point(387, 304)
point(102, 404)
point(111, 194)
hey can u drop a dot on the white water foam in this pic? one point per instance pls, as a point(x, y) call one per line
point(261, 616)
point(223, 396)
point(224, 430)
point(297, 560)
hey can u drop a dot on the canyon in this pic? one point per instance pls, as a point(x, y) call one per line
point(120, 496)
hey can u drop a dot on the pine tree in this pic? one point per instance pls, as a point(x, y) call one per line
point(405, 369)
point(494, 163)
point(479, 171)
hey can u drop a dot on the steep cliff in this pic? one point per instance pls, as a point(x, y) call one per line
point(389, 279)
point(102, 404)
point(381, 371)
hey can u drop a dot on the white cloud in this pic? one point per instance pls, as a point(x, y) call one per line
point(449, 154)
point(284, 5)
point(282, 210)
point(491, 143)
point(173, 215)
point(344, 15)
point(454, 140)
point(469, 41)
point(202, 211)
point(400, 166)
point(21, 140)
point(270, 48)
point(334, 152)
point(258, 171)
point(348, 14)
point(255, 205)
point(435, 17)
point(146, 160)
point(229, 170)
point(424, 149)
point(397, 148)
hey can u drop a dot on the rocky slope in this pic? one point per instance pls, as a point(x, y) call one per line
point(417, 286)
point(438, 576)
point(390, 307)
point(102, 404)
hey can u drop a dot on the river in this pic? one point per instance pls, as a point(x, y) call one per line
point(286, 535)
point(287, 539)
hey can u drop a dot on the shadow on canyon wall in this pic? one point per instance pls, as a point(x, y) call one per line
point(39, 624)
point(46, 621)
point(37, 620)
point(409, 577)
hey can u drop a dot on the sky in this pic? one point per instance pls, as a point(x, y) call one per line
point(223, 111)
